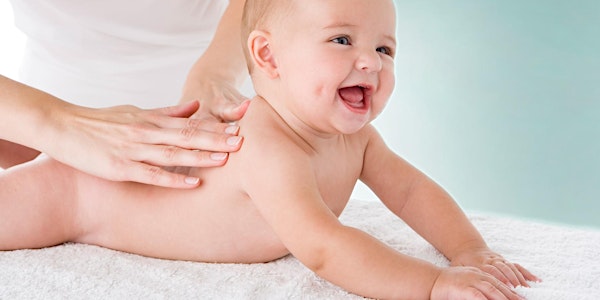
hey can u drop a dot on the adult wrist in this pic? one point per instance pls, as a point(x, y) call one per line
point(50, 123)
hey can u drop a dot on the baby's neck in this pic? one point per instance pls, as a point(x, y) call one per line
point(264, 108)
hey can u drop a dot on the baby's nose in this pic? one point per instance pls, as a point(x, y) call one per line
point(369, 61)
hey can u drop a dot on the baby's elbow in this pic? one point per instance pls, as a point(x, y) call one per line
point(320, 256)
point(315, 259)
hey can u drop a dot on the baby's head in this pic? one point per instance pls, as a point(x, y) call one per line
point(316, 57)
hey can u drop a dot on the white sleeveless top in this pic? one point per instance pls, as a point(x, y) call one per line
point(101, 53)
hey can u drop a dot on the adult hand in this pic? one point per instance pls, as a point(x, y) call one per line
point(126, 143)
point(215, 76)
point(494, 264)
point(220, 100)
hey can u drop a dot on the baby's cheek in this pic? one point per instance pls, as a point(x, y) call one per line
point(386, 88)
point(389, 77)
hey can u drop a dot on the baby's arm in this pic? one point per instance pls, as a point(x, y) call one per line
point(279, 179)
point(282, 185)
point(432, 213)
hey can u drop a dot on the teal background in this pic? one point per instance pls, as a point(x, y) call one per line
point(499, 102)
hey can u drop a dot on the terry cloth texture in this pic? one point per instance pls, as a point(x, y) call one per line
point(566, 258)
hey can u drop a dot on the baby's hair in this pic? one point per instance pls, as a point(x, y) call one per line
point(260, 14)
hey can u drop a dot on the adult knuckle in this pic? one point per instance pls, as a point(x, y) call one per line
point(136, 131)
point(188, 132)
point(154, 174)
point(194, 122)
point(170, 153)
point(201, 157)
point(123, 147)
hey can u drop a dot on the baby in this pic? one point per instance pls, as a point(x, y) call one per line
point(323, 70)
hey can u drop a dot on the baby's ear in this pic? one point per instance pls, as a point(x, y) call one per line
point(261, 53)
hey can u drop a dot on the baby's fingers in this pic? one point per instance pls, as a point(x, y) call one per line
point(513, 274)
point(517, 278)
point(471, 283)
point(526, 274)
point(495, 289)
point(508, 274)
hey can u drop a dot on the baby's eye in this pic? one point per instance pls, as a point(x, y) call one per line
point(343, 40)
point(385, 50)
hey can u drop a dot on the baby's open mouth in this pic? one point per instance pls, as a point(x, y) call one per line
point(354, 96)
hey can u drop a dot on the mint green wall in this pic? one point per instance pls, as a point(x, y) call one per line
point(499, 102)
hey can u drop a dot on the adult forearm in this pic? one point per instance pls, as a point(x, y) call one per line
point(224, 59)
point(24, 113)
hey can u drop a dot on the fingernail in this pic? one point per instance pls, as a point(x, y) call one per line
point(233, 129)
point(192, 180)
point(234, 140)
point(218, 156)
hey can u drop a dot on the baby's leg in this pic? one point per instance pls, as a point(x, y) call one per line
point(37, 205)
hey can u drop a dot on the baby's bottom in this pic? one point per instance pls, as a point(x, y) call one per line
point(37, 205)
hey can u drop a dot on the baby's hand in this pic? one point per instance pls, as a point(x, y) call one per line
point(494, 264)
point(470, 283)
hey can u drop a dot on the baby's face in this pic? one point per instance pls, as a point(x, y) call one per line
point(336, 59)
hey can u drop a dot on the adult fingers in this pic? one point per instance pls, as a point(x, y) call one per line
point(153, 175)
point(191, 133)
point(235, 112)
point(193, 138)
point(161, 118)
point(183, 110)
point(170, 156)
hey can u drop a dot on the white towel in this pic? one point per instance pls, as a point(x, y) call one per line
point(566, 258)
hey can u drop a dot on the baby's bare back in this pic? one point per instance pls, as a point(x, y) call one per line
point(216, 222)
point(213, 223)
